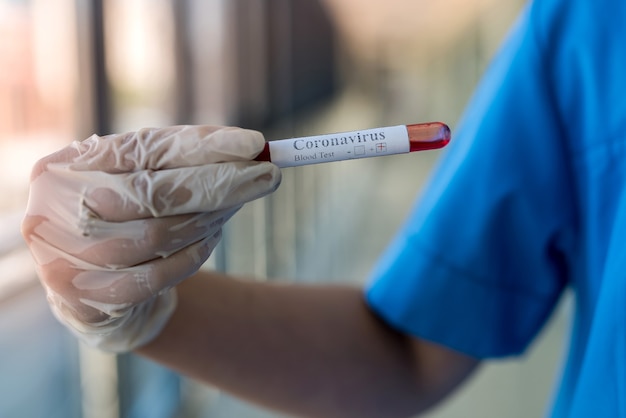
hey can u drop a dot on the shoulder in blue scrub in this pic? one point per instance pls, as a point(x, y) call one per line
point(529, 200)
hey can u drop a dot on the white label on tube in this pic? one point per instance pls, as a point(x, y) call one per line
point(340, 146)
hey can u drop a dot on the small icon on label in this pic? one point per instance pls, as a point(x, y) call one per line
point(359, 150)
point(381, 147)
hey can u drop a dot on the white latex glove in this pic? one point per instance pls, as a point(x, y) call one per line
point(115, 222)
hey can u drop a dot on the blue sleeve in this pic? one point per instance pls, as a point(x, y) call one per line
point(479, 265)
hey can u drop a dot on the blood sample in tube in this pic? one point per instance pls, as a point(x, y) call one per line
point(365, 143)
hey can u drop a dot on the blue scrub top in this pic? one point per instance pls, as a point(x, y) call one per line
point(529, 199)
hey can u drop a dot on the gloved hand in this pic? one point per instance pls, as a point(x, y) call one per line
point(115, 222)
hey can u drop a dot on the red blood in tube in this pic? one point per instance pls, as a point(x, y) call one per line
point(265, 154)
point(422, 137)
point(425, 136)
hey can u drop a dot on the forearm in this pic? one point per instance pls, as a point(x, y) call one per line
point(311, 351)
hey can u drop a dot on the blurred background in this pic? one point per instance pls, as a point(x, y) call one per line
point(70, 68)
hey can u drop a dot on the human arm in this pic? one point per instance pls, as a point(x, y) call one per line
point(116, 223)
point(308, 350)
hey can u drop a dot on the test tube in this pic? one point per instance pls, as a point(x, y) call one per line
point(366, 143)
